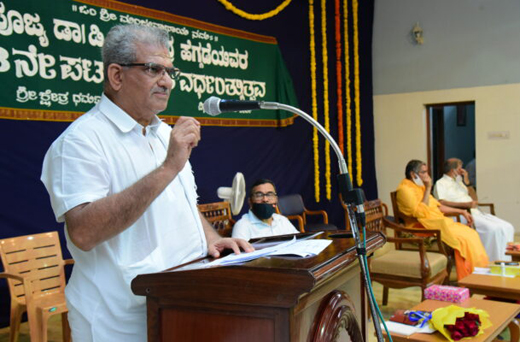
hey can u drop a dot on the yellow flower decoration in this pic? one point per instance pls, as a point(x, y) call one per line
point(325, 60)
point(359, 178)
point(312, 47)
point(347, 89)
point(230, 7)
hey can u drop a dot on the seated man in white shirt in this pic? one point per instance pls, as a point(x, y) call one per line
point(451, 190)
point(261, 220)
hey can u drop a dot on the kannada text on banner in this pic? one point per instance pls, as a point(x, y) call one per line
point(51, 68)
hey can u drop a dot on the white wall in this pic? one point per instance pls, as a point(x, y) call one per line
point(467, 43)
point(400, 134)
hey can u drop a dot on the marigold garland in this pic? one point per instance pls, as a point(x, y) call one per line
point(230, 7)
point(359, 178)
point(339, 74)
point(325, 59)
point(347, 88)
point(312, 47)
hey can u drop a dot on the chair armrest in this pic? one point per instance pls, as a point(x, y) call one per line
point(300, 222)
point(490, 205)
point(5, 275)
point(318, 212)
point(436, 233)
point(69, 261)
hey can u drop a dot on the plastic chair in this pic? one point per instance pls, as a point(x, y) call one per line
point(34, 269)
point(293, 208)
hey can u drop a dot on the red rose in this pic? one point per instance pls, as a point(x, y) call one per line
point(459, 325)
point(456, 336)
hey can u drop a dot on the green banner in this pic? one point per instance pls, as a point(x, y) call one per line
point(51, 68)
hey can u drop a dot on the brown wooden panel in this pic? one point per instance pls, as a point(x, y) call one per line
point(185, 325)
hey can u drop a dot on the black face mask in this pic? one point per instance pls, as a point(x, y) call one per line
point(263, 211)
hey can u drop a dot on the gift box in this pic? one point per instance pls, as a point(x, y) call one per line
point(452, 294)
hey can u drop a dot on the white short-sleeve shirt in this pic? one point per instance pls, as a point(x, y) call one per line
point(100, 154)
point(250, 227)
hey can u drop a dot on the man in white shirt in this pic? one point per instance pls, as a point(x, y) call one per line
point(120, 179)
point(452, 190)
point(261, 220)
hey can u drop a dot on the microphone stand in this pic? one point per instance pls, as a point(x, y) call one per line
point(351, 197)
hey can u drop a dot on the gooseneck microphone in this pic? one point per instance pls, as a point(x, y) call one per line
point(214, 106)
point(353, 198)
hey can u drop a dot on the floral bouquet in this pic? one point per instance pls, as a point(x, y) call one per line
point(456, 323)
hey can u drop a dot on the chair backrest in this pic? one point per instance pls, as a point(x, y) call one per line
point(219, 215)
point(291, 205)
point(36, 256)
point(399, 217)
point(375, 211)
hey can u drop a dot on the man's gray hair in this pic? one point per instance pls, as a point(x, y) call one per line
point(413, 165)
point(451, 164)
point(121, 43)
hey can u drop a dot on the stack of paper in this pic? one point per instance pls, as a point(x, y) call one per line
point(302, 248)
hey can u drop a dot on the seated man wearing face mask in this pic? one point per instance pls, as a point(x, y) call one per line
point(452, 190)
point(261, 220)
point(414, 200)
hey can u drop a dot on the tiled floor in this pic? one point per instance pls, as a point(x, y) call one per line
point(398, 299)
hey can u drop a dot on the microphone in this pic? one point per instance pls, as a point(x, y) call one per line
point(215, 106)
point(351, 197)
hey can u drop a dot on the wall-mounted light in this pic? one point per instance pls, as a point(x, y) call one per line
point(417, 34)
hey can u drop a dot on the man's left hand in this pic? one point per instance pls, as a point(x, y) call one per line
point(217, 246)
point(468, 217)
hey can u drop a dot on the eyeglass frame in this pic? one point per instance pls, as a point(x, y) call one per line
point(174, 73)
point(260, 195)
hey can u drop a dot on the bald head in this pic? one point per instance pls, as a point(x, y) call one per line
point(451, 164)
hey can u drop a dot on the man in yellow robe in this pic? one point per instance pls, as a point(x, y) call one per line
point(415, 201)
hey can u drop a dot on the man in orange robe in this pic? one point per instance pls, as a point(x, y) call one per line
point(415, 201)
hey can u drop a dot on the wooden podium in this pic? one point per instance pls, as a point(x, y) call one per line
point(278, 299)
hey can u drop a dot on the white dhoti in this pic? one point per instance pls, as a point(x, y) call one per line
point(494, 232)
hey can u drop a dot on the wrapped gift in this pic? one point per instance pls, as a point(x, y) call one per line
point(452, 294)
point(456, 323)
point(410, 317)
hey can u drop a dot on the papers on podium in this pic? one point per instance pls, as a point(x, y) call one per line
point(295, 247)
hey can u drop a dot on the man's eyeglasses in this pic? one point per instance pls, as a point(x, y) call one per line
point(260, 195)
point(155, 69)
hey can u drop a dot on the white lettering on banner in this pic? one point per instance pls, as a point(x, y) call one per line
point(105, 15)
point(127, 19)
point(96, 37)
point(24, 95)
point(4, 63)
point(79, 69)
point(48, 97)
point(68, 30)
point(203, 35)
point(15, 22)
point(87, 10)
point(85, 98)
point(207, 56)
point(205, 84)
point(75, 68)
point(38, 63)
